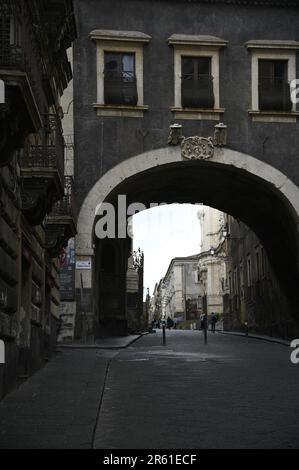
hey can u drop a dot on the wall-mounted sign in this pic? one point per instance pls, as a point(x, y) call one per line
point(67, 273)
point(83, 264)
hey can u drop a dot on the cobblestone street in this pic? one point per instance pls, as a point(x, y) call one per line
point(233, 393)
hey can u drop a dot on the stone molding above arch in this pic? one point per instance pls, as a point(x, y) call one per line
point(164, 156)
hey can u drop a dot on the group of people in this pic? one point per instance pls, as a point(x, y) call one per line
point(206, 320)
point(169, 324)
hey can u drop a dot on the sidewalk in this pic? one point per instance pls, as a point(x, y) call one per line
point(120, 342)
point(231, 393)
point(269, 339)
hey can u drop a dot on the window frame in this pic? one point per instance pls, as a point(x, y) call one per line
point(187, 51)
point(272, 77)
point(116, 48)
point(120, 55)
point(196, 46)
point(130, 42)
point(271, 50)
point(194, 77)
point(290, 57)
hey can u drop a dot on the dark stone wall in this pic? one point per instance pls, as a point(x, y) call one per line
point(275, 144)
point(8, 372)
point(264, 306)
point(21, 362)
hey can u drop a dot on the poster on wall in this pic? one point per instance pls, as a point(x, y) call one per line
point(67, 272)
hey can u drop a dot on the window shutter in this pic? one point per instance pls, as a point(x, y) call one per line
point(197, 83)
point(120, 82)
point(274, 89)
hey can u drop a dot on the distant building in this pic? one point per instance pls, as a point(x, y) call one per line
point(135, 308)
point(156, 302)
point(212, 276)
point(181, 298)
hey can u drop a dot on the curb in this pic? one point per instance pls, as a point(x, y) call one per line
point(268, 339)
point(98, 346)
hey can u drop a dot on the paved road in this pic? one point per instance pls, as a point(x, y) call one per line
point(233, 393)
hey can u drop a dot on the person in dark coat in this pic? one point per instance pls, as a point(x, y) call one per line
point(213, 321)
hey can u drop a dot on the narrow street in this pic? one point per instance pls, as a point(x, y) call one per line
point(233, 393)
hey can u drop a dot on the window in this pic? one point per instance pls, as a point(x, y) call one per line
point(274, 89)
point(236, 282)
point(197, 83)
point(230, 284)
point(242, 280)
point(258, 266)
point(120, 73)
point(273, 69)
point(249, 272)
point(10, 40)
point(196, 76)
point(120, 85)
point(263, 263)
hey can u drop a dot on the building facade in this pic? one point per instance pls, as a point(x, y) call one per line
point(212, 262)
point(181, 299)
point(163, 62)
point(135, 287)
point(256, 300)
point(36, 217)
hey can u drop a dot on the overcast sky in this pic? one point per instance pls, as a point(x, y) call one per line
point(164, 233)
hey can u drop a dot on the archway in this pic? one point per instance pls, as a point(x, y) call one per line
point(235, 183)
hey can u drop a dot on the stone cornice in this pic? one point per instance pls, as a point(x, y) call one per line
point(196, 40)
point(122, 36)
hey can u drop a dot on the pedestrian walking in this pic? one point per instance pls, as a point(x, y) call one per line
point(170, 323)
point(213, 321)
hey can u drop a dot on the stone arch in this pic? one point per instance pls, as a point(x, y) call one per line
point(245, 187)
point(165, 156)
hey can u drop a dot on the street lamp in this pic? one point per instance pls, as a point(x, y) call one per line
point(175, 134)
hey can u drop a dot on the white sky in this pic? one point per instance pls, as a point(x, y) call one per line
point(164, 233)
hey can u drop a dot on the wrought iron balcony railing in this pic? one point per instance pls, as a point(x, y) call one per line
point(19, 48)
point(47, 150)
point(121, 88)
point(274, 95)
point(67, 207)
point(197, 92)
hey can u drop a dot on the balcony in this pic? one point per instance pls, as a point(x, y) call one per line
point(42, 170)
point(274, 95)
point(62, 221)
point(20, 58)
point(34, 37)
point(121, 89)
point(198, 93)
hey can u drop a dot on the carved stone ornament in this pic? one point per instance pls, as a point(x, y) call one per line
point(197, 148)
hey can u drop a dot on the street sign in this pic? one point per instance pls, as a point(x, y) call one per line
point(67, 273)
point(83, 265)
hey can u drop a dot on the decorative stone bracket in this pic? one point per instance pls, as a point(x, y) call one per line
point(38, 197)
point(198, 148)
